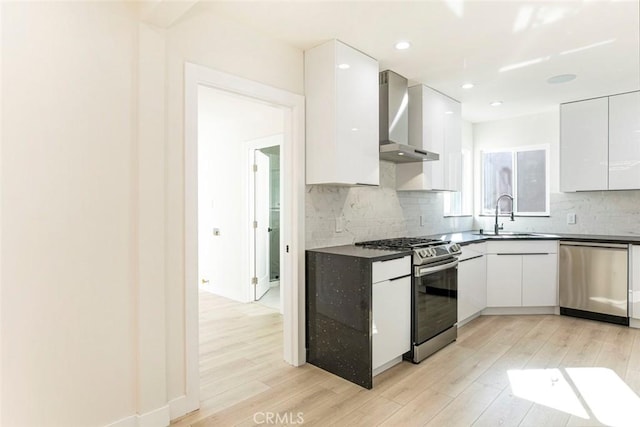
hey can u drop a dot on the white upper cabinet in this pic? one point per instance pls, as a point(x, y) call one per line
point(624, 141)
point(435, 124)
point(341, 90)
point(584, 145)
point(600, 143)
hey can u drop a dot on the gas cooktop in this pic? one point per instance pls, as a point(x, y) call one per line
point(403, 243)
point(425, 250)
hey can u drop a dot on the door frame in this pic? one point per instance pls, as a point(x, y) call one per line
point(250, 147)
point(292, 213)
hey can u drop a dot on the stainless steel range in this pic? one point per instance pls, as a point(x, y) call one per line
point(434, 297)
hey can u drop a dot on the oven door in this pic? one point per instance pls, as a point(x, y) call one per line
point(435, 304)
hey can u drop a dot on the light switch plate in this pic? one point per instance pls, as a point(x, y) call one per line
point(571, 218)
point(339, 224)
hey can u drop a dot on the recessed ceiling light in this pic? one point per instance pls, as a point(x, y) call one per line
point(402, 45)
point(400, 154)
point(354, 129)
point(562, 78)
point(448, 112)
point(496, 103)
point(467, 86)
point(344, 66)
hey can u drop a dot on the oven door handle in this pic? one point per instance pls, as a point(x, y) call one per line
point(424, 271)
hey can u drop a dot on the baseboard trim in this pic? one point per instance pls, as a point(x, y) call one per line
point(156, 418)
point(393, 362)
point(634, 323)
point(469, 319)
point(518, 310)
point(131, 421)
point(180, 406)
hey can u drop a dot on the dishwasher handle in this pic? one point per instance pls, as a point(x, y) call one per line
point(622, 246)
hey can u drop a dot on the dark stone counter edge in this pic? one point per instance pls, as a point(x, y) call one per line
point(360, 252)
point(467, 238)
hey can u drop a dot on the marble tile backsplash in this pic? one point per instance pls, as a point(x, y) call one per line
point(597, 212)
point(343, 215)
point(366, 213)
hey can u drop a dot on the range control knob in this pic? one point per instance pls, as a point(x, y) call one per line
point(423, 253)
point(432, 252)
point(455, 247)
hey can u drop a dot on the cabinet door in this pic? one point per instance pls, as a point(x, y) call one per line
point(435, 124)
point(341, 106)
point(634, 294)
point(584, 146)
point(452, 146)
point(540, 280)
point(357, 115)
point(504, 280)
point(472, 287)
point(391, 319)
point(624, 141)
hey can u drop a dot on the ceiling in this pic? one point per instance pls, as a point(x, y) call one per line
point(508, 49)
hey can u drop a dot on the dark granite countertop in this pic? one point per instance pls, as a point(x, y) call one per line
point(468, 237)
point(360, 252)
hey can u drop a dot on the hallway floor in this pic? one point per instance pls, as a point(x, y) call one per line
point(272, 298)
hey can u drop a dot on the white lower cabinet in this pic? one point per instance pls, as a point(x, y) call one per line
point(634, 285)
point(539, 280)
point(472, 281)
point(391, 320)
point(522, 274)
point(391, 310)
point(504, 280)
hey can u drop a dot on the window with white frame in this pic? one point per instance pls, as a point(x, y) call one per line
point(523, 173)
point(460, 203)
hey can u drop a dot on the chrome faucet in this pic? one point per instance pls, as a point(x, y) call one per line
point(497, 228)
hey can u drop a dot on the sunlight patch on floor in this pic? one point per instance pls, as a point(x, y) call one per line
point(579, 392)
point(546, 387)
point(610, 399)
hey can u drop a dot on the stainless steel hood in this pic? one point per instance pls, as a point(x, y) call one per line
point(394, 122)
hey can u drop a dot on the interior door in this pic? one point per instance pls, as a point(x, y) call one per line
point(261, 224)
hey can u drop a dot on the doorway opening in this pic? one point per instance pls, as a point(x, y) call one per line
point(201, 80)
point(240, 325)
point(265, 192)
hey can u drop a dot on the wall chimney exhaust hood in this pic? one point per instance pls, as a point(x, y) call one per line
point(394, 122)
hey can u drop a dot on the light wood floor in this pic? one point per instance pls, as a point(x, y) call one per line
point(503, 370)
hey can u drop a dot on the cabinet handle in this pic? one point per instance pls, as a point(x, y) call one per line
point(392, 259)
point(524, 253)
point(399, 277)
point(473, 257)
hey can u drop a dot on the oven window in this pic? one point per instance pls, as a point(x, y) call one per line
point(436, 303)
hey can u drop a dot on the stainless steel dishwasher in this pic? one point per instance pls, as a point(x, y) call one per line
point(594, 281)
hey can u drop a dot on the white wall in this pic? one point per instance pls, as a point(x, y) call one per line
point(600, 212)
point(226, 122)
point(92, 204)
point(208, 40)
point(68, 203)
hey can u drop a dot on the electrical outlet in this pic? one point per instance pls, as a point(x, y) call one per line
point(571, 218)
point(216, 231)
